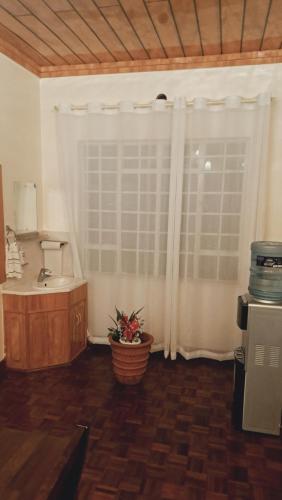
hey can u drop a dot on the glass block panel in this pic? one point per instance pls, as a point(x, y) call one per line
point(148, 163)
point(146, 241)
point(109, 182)
point(108, 261)
point(162, 264)
point(149, 149)
point(191, 242)
point(132, 163)
point(211, 164)
point(233, 182)
point(93, 220)
point(129, 221)
point(146, 262)
point(130, 150)
point(163, 242)
point(210, 224)
point(93, 181)
point(165, 178)
point(129, 240)
point(196, 163)
point(93, 237)
point(228, 268)
point(109, 164)
point(211, 203)
point(128, 262)
point(215, 148)
point(190, 266)
point(147, 202)
point(93, 164)
point(166, 163)
point(193, 182)
point(93, 150)
point(212, 182)
point(183, 242)
point(193, 203)
point(93, 260)
point(163, 222)
point(207, 267)
point(191, 223)
point(148, 182)
point(129, 202)
point(230, 224)
point(147, 222)
point(109, 220)
point(129, 182)
point(209, 242)
point(182, 265)
point(231, 203)
point(229, 243)
point(237, 163)
point(109, 150)
point(236, 148)
point(184, 221)
point(93, 201)
point(164, 203)
point(109, 238)
point(108, 201)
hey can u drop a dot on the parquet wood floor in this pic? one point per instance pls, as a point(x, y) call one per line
point(169, 437)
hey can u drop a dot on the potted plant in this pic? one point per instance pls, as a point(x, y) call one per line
point(130, 347)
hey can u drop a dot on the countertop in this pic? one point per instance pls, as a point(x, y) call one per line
point(21, 287)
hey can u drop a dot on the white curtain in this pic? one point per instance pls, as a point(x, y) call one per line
point(163, 203)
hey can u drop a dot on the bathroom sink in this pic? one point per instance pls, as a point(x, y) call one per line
point(53, 282)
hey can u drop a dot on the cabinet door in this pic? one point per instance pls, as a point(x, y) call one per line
point(78, 328)
point(37, 340)
point(15, 340)
point(58, 338)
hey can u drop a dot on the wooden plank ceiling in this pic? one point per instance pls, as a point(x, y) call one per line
point(78, 37)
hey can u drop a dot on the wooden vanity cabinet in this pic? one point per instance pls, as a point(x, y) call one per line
point(44, 330)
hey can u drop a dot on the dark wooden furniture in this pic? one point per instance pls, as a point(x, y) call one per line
point(44, 330)
point(2, 234)
point(38, 465)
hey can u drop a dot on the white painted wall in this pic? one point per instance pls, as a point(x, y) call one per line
point(215, 83)
point(19, 136)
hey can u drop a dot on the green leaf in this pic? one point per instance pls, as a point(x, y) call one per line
point(114, 320)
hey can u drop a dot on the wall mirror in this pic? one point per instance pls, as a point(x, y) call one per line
point(25, 207)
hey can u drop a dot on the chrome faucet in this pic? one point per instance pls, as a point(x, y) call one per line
point(43, 273)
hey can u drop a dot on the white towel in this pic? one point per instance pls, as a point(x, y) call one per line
point(14, 260)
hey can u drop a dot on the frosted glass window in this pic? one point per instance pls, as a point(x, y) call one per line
point(146, 241)
point(93, 260)
point(215, 148)
point(109, 238)
point(209, 242)
point(147, 222)
point(147, 202)
point(232, 203)
point(129, 221)
point(229, 243)
point(93, 237)
point(231, 224)
point(236, 148)
point(108, 164)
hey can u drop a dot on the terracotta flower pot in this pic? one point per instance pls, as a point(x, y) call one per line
point(130, 360)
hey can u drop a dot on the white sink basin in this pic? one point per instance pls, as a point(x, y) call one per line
point(53, 282)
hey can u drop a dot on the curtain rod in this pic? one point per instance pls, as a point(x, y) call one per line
point(168, 104)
